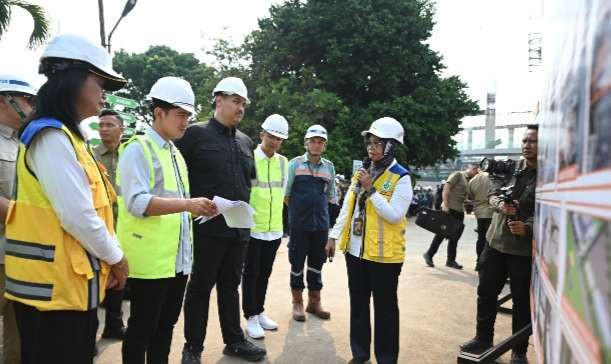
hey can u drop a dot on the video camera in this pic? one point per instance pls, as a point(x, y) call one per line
point(502, 170)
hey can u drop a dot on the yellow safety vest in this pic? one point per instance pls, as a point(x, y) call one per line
point(151, 243)
point(383, 242)
point(267, 193)
point(45, 266)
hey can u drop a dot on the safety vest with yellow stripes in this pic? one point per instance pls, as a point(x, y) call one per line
point(151, 243)
point(383, 242)
point(45, 266)
point(267, 192)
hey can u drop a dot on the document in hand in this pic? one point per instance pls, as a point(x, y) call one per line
point(237, 214)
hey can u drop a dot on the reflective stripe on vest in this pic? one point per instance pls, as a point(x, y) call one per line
point(27, 250)
point(45, 266)
point(151, 243)
point(382, 242)
point(267, 193)
point(273, 184)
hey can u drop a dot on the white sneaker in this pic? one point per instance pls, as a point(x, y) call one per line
point(267, 323)
point(253, 328)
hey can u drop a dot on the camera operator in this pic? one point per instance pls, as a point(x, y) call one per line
point(508, 253)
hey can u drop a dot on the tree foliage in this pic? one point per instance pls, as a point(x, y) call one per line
point(143, 69)
point(40, 33)
point(373, 56)
point(342, 64)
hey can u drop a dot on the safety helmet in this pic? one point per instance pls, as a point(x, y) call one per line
point(316, 131)
point(386, 128)
point(13, 83)
point(175, 91)
point(231, 86)
point(276, 125)
point(72, 51)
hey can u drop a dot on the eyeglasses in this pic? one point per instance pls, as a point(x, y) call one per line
point(30, 99)
point(370, 144)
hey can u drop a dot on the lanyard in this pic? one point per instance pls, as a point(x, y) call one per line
point(177, 172)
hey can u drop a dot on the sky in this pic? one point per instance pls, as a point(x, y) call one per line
point(485, 42)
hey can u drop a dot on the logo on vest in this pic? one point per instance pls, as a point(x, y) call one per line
point(386, 186)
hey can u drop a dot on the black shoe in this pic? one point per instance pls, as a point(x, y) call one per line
point(191, 356)
point(428, 260)
point(354, 361)
point(475, 345)
point(518, 358)
point(453, 264)
point(245, 350)
point(114, 334)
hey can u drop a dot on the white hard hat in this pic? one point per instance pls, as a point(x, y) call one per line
point(386, 128)
point(13, 83)
point(69, 51)
point(231, 86)
point(276, 125)
point(175, 91)
point(316, 131)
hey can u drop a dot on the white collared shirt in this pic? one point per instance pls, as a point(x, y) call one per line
point(134, 177)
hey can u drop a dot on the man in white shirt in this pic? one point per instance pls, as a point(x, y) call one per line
point(266, 197)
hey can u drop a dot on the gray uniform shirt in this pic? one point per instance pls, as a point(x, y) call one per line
point(9, 145)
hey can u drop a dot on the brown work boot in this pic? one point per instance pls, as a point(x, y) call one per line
point(314, 306)
point(298, 314)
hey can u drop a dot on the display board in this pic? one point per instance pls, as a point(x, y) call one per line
point(571, 287)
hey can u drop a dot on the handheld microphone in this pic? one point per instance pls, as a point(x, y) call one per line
point(366, 165)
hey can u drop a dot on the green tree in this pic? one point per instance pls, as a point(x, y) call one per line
point(41, 23)
point(373, 57)
point(143, 69)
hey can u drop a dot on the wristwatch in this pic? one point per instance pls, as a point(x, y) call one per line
point(372, 190)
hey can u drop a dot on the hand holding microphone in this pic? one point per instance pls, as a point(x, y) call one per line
point(364, 171)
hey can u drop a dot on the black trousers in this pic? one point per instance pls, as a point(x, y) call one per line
point(482, 228)
point(260, 258)
point(495, 267)
point(381, 279)
point(155, 307)
point(437, 240)
point(310, 245)
point(66, 337)
point(114, 312)
point(219, 262)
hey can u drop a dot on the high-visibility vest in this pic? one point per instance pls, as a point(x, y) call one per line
point(267, 193)
point(45, 266)
point(383, 242)
point(151, 243)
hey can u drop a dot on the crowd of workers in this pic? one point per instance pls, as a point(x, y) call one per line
point(83, 223)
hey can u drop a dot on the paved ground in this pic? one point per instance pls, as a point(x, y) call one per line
point(437, 308)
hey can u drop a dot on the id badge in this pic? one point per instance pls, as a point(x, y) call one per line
point(357, 226)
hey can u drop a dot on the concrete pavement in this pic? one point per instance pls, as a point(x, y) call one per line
point(437, 308)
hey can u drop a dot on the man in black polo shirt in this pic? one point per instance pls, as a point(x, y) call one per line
point(221, 163)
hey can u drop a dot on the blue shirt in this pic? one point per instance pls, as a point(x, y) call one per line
point(135, 176)
point(310, 188)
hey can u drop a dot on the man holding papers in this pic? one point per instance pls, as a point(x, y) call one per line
point(220, 162)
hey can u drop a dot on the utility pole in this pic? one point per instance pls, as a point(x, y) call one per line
point(129, 5)
point(102, 28)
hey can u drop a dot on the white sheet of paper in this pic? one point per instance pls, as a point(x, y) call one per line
point(237, 214)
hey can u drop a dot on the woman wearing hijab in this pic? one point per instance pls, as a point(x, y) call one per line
point(371, 232)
